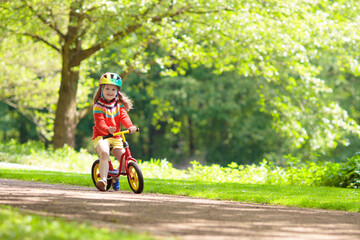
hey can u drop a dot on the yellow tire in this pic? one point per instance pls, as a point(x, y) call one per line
point(135, 178)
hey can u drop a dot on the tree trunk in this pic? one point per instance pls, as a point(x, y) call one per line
point(66, 119)
point(66, 116)
point(191, 137)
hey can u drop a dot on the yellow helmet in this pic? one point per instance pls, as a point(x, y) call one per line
point(111, 78)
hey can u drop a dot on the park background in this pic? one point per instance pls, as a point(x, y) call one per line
point(253, 101)
point(218, 82)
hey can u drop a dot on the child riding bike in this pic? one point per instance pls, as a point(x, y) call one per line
point(110, 111)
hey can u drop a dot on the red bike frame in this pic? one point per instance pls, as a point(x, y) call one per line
point(125, 157)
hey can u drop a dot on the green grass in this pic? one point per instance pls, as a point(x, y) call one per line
point(16, 225)
point(287, 195)
point(294, 196)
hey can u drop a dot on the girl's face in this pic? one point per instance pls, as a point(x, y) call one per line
point(109, 92)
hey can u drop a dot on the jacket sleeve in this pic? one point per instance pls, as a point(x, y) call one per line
point(124, 118)
point(99, 120)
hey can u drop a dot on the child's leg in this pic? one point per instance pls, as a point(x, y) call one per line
point(103, 150)
point(118, 152)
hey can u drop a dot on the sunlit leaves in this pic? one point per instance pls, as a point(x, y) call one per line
point(29, 81)
point(309, 118)
point(282, 45)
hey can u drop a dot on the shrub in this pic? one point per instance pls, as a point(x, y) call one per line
point(35, 154)
point(315, 172)
point(350, 173)
point(312, 173)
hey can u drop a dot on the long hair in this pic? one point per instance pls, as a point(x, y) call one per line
point(121, 98)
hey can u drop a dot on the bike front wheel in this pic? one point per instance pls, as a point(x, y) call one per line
point(135, 178)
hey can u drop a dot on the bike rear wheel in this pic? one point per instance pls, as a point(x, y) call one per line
point(135, 178)
point(95, 174)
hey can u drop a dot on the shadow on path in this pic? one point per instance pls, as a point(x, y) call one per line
point(183, 217)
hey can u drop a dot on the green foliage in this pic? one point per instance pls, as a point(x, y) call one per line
point(12, 123)
point(310, 173)
point(302, 104)
point(76, 30)
point(33, 153)
point(17, 225)
point(350, 173)
point(295, 61)
point(161, 169)
point(29, 82)
point(323, 173)
point(220, 119)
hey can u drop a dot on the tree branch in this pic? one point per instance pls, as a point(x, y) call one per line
point(90, 51)
point(84, 54)
point(212, 11)
point(82, 16)
point(53, 20)
point(36, 37)
point(131, 68)
point(39, 130)
point(83, 112)
point(132, 28)
point(49, 24)
point(151, 7)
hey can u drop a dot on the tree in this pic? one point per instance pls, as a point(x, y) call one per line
point(276, 43)
point(78, 29)
point(280, 43)
point(220, 117)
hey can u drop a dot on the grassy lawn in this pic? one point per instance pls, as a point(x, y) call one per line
point(287, 195)
point(16, 225)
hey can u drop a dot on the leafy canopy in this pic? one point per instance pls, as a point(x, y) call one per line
point(277, 43)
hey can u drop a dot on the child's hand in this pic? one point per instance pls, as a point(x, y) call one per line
point(112, 130)
point(132, 129)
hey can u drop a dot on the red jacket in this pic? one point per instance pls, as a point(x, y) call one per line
point(109, 114)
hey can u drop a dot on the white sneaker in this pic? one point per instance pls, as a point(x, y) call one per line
point(101, 185)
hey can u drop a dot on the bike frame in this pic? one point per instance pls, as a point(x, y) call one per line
point(125, 157)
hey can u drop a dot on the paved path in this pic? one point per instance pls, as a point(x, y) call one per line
point(183, 217)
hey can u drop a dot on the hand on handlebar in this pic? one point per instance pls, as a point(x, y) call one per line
point(112, 130)
point(132, 129)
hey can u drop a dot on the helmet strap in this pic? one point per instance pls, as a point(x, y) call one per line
point(102, 92)
point(118, 89)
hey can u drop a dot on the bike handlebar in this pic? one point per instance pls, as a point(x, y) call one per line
point(119, 133)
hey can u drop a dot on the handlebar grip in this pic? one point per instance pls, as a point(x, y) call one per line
point(118, 133)
point(108, 136)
